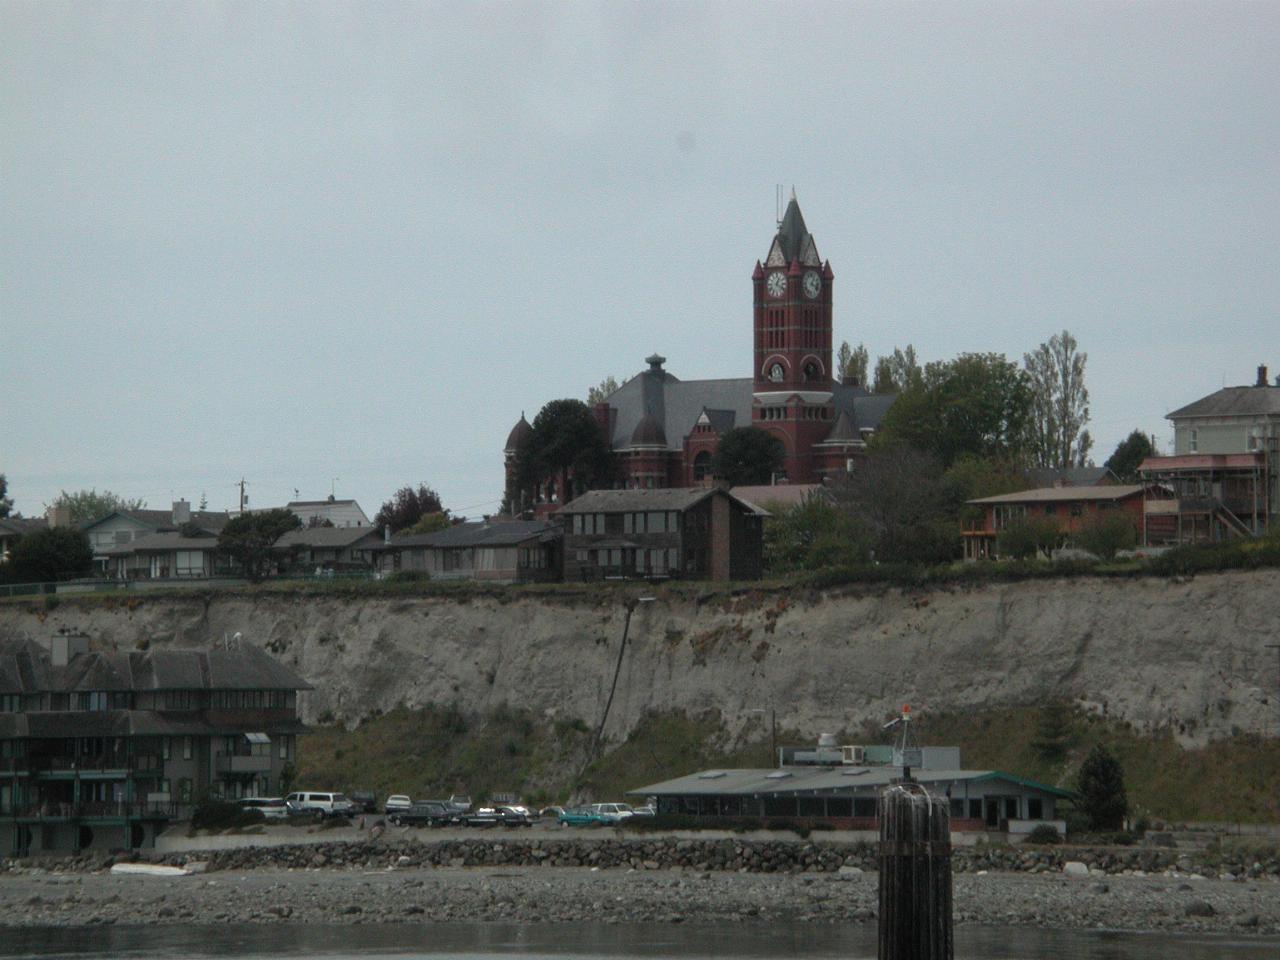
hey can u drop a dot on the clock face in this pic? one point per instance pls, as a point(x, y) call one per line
point(812, 284)
point(776, 373)
point(777, 283)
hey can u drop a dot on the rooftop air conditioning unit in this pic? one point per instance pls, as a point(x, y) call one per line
point(856, 756)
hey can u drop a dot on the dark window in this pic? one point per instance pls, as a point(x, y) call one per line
point(840, 807)
point(813, 806)
point(864, 806)
point(975, 809)
point(702, 466)
point(1035, 808)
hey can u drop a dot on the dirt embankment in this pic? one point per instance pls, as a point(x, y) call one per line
point(1188, 655)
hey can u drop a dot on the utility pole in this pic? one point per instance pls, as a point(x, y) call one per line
point(243, 500)
point(1276, 648)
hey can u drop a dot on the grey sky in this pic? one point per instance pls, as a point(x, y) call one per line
point(299, 242)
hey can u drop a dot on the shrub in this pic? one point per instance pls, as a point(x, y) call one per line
point(1046, 833)
point(1107, 532)
point(1024, 539)
point(409, 576)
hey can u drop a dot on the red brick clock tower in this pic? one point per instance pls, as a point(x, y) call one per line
point(793, 379)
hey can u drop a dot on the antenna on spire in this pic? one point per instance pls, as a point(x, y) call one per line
point(777, 203)
point(793, 191)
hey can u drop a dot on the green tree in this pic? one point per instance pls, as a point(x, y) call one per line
point(86, 505)
point(1107, 532)
point(6, 504)
point(406, 507)
point(907, 509)
point(1059, 404)
point(1029, 537)
point(250, 539)
point(55, 553)
point(1101, 788)
point(897, 372)
point(1128, 456)
point(600, 393)
point(1053, 732)
point(567, 444)
point(430, 523)
point(976, 404)
point(747, 456)
point(852, 363)
point(973, 478)
point(811, 535)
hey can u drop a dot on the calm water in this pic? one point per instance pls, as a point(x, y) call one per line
point(621, 942)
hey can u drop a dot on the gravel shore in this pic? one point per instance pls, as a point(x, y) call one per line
point(575, 894)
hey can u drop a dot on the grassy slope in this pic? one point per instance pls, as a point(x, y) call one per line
point(434, 753)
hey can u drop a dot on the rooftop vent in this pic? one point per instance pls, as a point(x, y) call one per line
point(711, 775)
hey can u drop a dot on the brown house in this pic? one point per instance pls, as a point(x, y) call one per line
point(706, 534)
point(1069, 507)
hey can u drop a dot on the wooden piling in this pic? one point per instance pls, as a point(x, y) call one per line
point(915, 875)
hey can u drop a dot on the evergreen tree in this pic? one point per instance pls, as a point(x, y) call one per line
point(1101, 788)
point(1053, 732)
point(55, 553)
point(747, 456)
point(1128, 456)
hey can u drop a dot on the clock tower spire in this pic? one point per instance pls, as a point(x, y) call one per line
point(792, 381)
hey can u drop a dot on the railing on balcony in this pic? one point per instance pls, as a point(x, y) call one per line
point(61, 764)
point(241, 763)
point(95, 809)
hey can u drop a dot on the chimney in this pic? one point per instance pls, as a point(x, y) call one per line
point(59, 515)
point(386, 534)
point(1262, 375)
point(181, 512)
point(65, 645)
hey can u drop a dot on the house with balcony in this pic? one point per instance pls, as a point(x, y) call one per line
point(700, 533)
point(101, 749)
point(111, 536)
point(1223, 477)
point(1070, 508)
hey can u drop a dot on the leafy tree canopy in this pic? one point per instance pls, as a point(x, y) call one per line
point(406, 507)
point(1029, 537)
point(88, 505)
point(852, 362)
point(1059, 404)
point(977, 404)
point(812, 535)
point(6, 504)
point(898, 372)
point(250, 539)
point(430, 523)
point(56, 553)
point(1128, 456)
point(899, 497)
point(566, 443)
point(747, 456)
point(973, 478)
point(1101, 787)
point(598, 394)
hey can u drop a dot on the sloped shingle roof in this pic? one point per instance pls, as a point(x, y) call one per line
point(1233, 402)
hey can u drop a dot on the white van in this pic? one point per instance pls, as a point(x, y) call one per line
point(319, 805)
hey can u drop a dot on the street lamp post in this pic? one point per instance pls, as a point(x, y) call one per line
point(773, 732)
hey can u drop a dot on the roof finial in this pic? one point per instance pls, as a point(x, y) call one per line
point(793, 191)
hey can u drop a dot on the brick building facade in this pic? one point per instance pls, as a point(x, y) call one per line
point(664, 431)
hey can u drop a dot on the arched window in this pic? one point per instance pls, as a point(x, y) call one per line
point(702, 466)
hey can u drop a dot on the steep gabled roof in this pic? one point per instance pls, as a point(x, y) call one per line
point(1233, 402)
point(639, 501)
point(793, 236)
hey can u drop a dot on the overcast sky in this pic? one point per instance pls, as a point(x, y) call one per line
point(299, 242)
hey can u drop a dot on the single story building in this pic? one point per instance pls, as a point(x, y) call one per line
point(331, 548)
point(1069, 507)
point(503, 551)
point(847, 796)
point(692, 532)
point(164, 556)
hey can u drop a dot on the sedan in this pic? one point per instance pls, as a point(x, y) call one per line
point(271, 808)
point(396, 803)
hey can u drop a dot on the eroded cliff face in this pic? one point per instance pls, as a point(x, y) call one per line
point(1190, 655)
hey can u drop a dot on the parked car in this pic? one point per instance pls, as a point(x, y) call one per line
point(460, 802)
point(319, 804)
point(552, 812)
point(643, 811)
point(423, 813)
point(479, 817)
point(582, 816)
point(271, 808)
point(514, 815)
point(365, 801)
point(397, 803)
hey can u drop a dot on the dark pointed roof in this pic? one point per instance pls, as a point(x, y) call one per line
point(649, 433)
point(842, 431)
point(792, 234)
point(518, 433)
